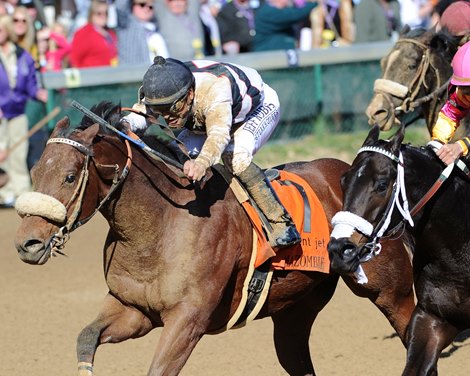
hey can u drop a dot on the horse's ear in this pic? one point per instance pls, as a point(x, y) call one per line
point(397, 139)
point(61, 126)
point(405, 30)
point(87, 135)
point(445, 44)
point(373, 136)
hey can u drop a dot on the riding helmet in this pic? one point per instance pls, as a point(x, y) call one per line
point(461, 66)
point(456, 18)
point(166, 81)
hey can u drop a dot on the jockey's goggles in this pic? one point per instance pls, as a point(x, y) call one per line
point(170, 109)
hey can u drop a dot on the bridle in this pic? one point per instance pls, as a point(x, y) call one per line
point(72, 222)
point(345, 222)
point(409, 94)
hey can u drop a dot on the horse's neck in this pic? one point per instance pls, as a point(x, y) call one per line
point(421, 172)
point(150, 190)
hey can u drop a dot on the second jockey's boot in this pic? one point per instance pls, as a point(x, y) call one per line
point(284, 233)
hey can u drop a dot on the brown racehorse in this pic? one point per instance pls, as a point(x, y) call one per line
point(415, 75)
point(177, 255)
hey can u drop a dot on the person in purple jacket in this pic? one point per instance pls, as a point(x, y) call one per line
point(18, 83)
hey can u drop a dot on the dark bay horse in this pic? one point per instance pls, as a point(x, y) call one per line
point(384, 179)
point(415, 75)
point(176, 255)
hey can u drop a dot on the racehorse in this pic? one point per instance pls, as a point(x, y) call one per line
point(415, 76)
point(385, 180)
point(177, 254)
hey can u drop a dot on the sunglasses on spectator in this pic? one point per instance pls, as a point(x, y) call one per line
point(144, 5)
point(17, 20)
point(98, 13)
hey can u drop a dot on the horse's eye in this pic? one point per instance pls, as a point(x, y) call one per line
point(381, 187)
point(412, 66)
point(70, 178)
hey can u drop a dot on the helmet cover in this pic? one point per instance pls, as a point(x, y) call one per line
point(166, 81)
point(461, 66)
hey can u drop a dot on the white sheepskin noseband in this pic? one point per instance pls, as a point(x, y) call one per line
point(42, 205)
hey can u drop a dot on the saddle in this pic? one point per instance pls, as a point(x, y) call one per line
point(310, 254)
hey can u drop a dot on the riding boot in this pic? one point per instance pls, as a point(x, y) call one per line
point(284, 233)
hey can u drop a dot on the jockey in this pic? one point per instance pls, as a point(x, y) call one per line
point(455, 109)
point(223, 111)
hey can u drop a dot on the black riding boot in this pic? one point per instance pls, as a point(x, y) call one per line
point(284, 233)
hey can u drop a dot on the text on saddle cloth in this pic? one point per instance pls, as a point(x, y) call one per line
point(306, 210)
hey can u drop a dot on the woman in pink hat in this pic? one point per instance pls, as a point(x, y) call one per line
point(455, 109)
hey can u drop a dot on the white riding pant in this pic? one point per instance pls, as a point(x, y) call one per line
point(247, 139)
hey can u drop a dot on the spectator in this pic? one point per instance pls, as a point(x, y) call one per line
point(35, 9)
point(181, 28)
point(332, 23)
point(415, 13)
point(138, 38)
point(274, 24)
point(95, 45)
point(377, 20)
point(25, 31)
point(236, 21)
point(210, 30)
point(53, 48)
point(17, 84)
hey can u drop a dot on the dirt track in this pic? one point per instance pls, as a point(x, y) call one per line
point(43, 308)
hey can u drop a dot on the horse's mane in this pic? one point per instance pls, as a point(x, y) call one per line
point(425, 151)
point(106, 110)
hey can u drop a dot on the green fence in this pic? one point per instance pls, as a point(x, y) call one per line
point(325, 97)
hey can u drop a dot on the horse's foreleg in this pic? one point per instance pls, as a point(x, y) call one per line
point(428, 336)
point(292, 328)
point(115, 323)
point(183, 328)
point(390, 286)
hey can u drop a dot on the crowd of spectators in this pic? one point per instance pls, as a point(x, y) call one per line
point(90, 33)
point(39, 36)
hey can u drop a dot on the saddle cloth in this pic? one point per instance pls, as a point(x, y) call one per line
point(306, 210)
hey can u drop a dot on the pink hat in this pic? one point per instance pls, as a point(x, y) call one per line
point(456, 18)
point(461, 66)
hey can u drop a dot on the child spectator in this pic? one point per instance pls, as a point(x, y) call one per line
point(53, 48)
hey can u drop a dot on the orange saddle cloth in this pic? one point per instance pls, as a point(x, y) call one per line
point(305, 208)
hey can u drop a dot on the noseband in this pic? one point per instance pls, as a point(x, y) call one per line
point(59, 213)
point(409, 94)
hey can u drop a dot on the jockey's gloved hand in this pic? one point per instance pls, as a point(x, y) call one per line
point(194, 170)
point(136, 123)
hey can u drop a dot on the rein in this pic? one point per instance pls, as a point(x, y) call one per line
point(58, 240)
point(408, 94)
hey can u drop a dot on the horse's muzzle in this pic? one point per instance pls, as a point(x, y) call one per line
point(344, 255)
point(34, 251)
point(381, 113)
